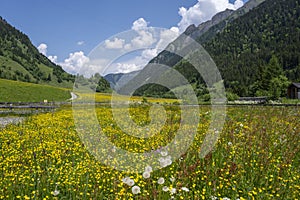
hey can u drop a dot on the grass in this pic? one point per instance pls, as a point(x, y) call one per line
point(15, 91)
point(256, 157)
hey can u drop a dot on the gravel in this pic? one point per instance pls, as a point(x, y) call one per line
point(4, 121)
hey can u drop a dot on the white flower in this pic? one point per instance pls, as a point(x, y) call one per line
point(161, 181)
point(148, 169)
point(173, 191)
point(165, 161)
point(213, 198)
point(225, 198)
point(164, 153)
point(146, 175)
point(165, 189)
point(128, 181)
point(55, 192)
point(229, 143)
point(185, 189)
point(125, 180)
point(136, 190)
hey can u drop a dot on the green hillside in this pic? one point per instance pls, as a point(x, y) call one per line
point(20, 60)
point(257, 53)
point(16, 91)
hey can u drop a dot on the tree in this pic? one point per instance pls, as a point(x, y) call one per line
point(49, 77)
point(273, 70)
point(103, 86)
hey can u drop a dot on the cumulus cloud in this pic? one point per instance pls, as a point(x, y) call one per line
point(148, 54)
point(42, 48)
point(133, 64)
point(139, 24)
point(53, 59)
point(167, 36)
point(148, 40)
point(204, 10)
point(145, 38)
point(75, 62)
point(114, 44)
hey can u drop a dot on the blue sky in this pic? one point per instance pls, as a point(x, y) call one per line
point(66, 26)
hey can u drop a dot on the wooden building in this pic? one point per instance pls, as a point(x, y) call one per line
point(294, 91)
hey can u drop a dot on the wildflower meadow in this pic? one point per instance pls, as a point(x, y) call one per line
point(256, 157)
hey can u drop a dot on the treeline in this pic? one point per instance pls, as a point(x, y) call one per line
point(96, 83)
point(259, 46)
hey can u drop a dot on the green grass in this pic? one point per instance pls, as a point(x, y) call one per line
point(11, 67)
point(15, 91)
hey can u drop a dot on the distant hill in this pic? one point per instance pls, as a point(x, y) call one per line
point(247, 45)
point(120, 79)
point(20, 60)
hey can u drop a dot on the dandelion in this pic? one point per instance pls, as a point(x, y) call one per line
point(128, 181)
point(165, 189)
point(148, 169)
point(136, 190)
point(173, 191)
point(185, 189)
point(161, 181)
point(164, 153)
point(166, 161)
point(146, 175)
point(55, 192)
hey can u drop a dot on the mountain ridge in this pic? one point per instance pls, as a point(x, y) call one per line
point(20, 60)
point(245, 49)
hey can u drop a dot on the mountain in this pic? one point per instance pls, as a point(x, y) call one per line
point(120, 79)
point(20, 60)
point(244, 45)
point(244, 50)
point(206, 30)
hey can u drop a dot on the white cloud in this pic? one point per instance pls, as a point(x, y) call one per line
point(115, 44)
point(139, 24)
point(148, 54)
point(75, 62)
point(144, 39)
point(147, 39)
point(134, 64)
point(43, 49)
point(53, 59)
point(167, 36)
point(80, 43)
point(204, 10)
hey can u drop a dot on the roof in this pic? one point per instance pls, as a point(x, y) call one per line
point(297, 85)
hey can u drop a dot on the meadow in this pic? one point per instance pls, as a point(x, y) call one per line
point(16, 91)
point(256, 157)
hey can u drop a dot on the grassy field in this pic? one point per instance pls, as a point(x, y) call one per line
point(14, 91)
point(256, 157)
